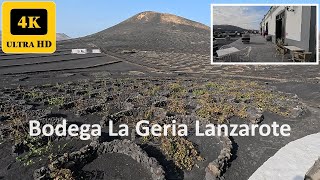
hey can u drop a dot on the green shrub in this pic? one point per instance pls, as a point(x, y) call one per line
point(181, 151)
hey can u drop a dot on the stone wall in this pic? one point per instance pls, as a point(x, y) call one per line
point(90, 152)
point(215, 168)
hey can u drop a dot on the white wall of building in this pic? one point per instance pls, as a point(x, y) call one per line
point(293, 22)
point(79, 51)
point(96, 51)
point(272, 20)
point(86, 51)
point(299, 23)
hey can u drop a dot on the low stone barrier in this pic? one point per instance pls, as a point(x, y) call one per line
point(90, 152)
point(215, 168)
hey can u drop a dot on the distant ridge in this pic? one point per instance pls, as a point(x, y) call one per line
point(228, 28)
point(60, 36)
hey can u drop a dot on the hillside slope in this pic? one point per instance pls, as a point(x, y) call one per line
point(62, 36)
point(154, 31)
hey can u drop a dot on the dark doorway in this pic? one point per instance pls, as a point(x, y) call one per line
point(267, 29)
point(280, 26)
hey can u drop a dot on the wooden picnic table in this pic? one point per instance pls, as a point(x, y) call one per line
point(293, 49)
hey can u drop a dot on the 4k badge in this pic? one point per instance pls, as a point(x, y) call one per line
point(28, 27)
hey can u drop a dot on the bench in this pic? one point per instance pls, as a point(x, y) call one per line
point(302, 56)
point(293, 50)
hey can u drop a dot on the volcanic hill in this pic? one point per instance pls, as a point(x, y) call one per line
point(62, 36)
point(154, 31)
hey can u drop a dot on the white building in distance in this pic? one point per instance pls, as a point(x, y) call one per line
point(85, 51)
point(79, 51)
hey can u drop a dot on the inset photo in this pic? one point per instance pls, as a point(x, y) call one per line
point(253, 34)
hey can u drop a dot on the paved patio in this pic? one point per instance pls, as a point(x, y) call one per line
point(292, 161)
point(262, 50)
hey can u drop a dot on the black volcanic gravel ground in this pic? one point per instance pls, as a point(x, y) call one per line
point(117, 167)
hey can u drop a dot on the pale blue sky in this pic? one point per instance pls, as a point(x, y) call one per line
point(247, 17)
point(82, 17)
